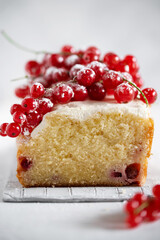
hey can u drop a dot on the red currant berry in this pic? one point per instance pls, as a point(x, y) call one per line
point(127, 76)
point(131, 206)
point(22, 91)
point(3, 127)
point(131, 61)
point(111, 79)
point(29, 104)
point(59, 74)
point(70, 61)
point(75, 69)
point(86, 77)
point(111, 60)
point(33, 68)
point(45, 105)
point(15, 108)
point(56, 60)
point(62, 93)
point(133, 221)
point(42, 81)
point(153, 210)
point(96, 91)
point(110, 91)
point(137, 80)
point(67, 49)
point(13, 129)
point(37, 90)
point(140, 197)
point(34, 118)
point(122, 67)
point(94, 50)
point(80, 92)
point(49, 93)
point(98, 68)
point(25, 163)
point(150, 94)
point(80, 53)
point(156, 191)
point(90, 57)
point(124, 93)
point(19, 117)
point(48, 76)
point(46, 60)
point(26, 129)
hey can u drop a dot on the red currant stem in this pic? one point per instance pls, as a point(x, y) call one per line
point(9, 39)
point(20, 78)
point(134, 85)
point(141, 207)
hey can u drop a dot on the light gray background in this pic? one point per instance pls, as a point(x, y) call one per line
point(122, 26)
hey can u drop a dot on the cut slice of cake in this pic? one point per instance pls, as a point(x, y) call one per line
point(89, 143)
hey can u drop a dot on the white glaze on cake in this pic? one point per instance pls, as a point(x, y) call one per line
point(85, 109)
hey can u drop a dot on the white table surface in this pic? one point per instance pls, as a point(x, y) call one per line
point(70, 220)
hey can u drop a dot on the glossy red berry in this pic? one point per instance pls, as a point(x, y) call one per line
point(3, 127)
point(122, 67)
point(67, 49)
point(94, 50)
point(49, 93)
point(133, 221)
point(19, 117)
point(150, 94)
point(60, 74)
point(56, 60)
point(26, 129)
point(89, 57)
point(73, 71)
point(70, 61)
point(111, 79)
point(96, 91)
point(127, 76)
point(137, 79)
point(131, 206)
point(45, 105)
point(46, 60)
point(131, 61)
point(86, 77)
point(22, 91)
point(62, 93)
point(13, 129)
point(16, 107)
point(156, 191)
point(111, 60)
point(34, 118)
point(124, 93)
point(80, 92)
point(33, 68)
point(29, 104)
point(45, 82)
point(80, 53)
point(98, 68)
point(140, 197)
point(37, 90)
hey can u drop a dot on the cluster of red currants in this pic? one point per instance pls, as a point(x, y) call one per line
point(73, 76)
point(141, 208)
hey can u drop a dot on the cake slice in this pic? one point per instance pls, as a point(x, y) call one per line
point(88, 143)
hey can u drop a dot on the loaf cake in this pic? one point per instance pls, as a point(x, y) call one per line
point(83, 121)
point(88, 143)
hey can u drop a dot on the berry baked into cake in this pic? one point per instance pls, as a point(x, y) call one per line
point(83, 121)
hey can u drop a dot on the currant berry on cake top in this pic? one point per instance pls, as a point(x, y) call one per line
point(74, 75)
